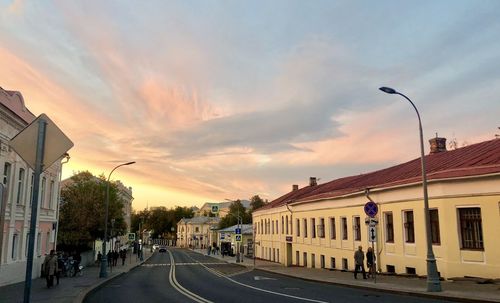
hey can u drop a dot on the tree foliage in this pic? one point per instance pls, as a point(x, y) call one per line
point(82, 211)
point(160, 220)
point(256, 202)
point(235, 209)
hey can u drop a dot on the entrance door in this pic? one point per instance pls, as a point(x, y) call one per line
point(288, 254)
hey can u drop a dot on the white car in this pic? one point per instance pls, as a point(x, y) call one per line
point(156, 246)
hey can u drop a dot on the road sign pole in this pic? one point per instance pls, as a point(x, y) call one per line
point(40, 148)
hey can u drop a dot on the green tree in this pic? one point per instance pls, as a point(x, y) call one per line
point(235, 209)
point(82, 212)
point(256, 202)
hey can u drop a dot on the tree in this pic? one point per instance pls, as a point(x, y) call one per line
point(82, 212)
point(235, 209)
point(160, 220)
point(256, 202)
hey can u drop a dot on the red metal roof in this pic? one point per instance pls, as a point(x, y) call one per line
point(473, 160)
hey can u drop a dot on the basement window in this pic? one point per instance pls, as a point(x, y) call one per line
point(391, 269)
point(411, 271)
point(344, 264)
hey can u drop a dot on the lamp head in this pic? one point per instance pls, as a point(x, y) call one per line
point(388, 90)
point(129, 163)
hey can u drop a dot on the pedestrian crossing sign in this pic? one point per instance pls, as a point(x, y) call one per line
point(131, 236)
point(238, 238)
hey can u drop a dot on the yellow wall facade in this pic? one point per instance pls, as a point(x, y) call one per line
point(447, 197)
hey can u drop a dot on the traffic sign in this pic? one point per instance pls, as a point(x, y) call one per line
point(56, 143)
point(372, 234)
point(238, 238)
point(131, 236)
point(237, 231)
point(371, 208)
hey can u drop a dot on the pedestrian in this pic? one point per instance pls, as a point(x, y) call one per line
point(110, 258)
point(209, 249)
point(370, 264)
point(99, 258)
point(123, 254)
point(50, 267)
point(115, 257)
point(359, 258)
point(217, 250)
point(60, 266)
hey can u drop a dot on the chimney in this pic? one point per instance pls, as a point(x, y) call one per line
point(437, 145)
point(312, 181)
point(295, 187)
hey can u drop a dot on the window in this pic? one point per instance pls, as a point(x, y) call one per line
point(282, 224)
point(272, 227)
point(322, 261)
point(31, 187)
point(357, 229)
point(277, 224)
point(389, 228)
point(39, 244)
point(286, 221)
point(14, 247)
point(27, 244)
point(47, 241)
point(42, 192)
point(20, 182)
point(298, 227)
point(313, 228)
point(344, 228)
point(332, 262)
point(196, 229)
point(434, 216)
point(409, 227)
point(313, 260)
point(471, 231)
point(321, 228)
point(51, 195)
point(305, 259)
point(305, 227)
point(333, 232)
point(6, 176)
point(297, 258)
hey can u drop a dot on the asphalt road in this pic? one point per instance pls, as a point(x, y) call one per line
point(192, 277)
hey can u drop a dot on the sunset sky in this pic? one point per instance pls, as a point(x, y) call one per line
point(223, 100)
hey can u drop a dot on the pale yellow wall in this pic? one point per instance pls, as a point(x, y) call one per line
point(452, 261)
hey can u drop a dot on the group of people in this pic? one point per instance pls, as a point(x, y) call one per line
point(214, 249)
point(359, 258)
point(112, 257)
point(56, 265)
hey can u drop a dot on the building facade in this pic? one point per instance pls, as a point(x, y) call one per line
point(206, 209)
point(197, 232)
point(226, 239)
point(320, 226)
point(15, 212)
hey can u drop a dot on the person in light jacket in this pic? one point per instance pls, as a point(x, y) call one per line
point(50, 267)
point(359, 259)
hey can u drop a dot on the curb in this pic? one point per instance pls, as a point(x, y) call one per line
point(87, 291)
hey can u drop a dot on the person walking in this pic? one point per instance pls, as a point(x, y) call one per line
point(50, 266)
point(370, 264)
point(123, 255)
point(110, 258)
point(99, 258)
point(359, 258)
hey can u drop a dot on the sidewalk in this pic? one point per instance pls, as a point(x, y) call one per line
point(461, 291)
point(70, 289)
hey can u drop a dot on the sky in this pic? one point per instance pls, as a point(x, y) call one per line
point(220, 100)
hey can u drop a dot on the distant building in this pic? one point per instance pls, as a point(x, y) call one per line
point(206, 209)
point(196, 232)
point(320, 226)
point(15, 212)
point(226, 239)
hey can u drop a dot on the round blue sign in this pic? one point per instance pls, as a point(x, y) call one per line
point(371, 209)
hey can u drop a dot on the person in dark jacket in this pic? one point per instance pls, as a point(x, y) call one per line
point(359, 258)
point(370, 261)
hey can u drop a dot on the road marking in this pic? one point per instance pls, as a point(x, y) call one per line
point(175, 284)
point(176, 264)
point(258, 278)
point(263, 290)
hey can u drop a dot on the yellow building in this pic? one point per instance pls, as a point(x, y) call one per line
point(196, 232)
point(320, 226)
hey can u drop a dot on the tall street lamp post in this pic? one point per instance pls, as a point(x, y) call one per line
point(103, 272)
point(433, 282)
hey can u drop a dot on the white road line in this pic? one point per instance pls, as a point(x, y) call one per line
point(173, 281)
point(263, 290)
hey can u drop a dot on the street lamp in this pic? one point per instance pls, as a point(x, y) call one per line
point(103, 272)
point(433, 282)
